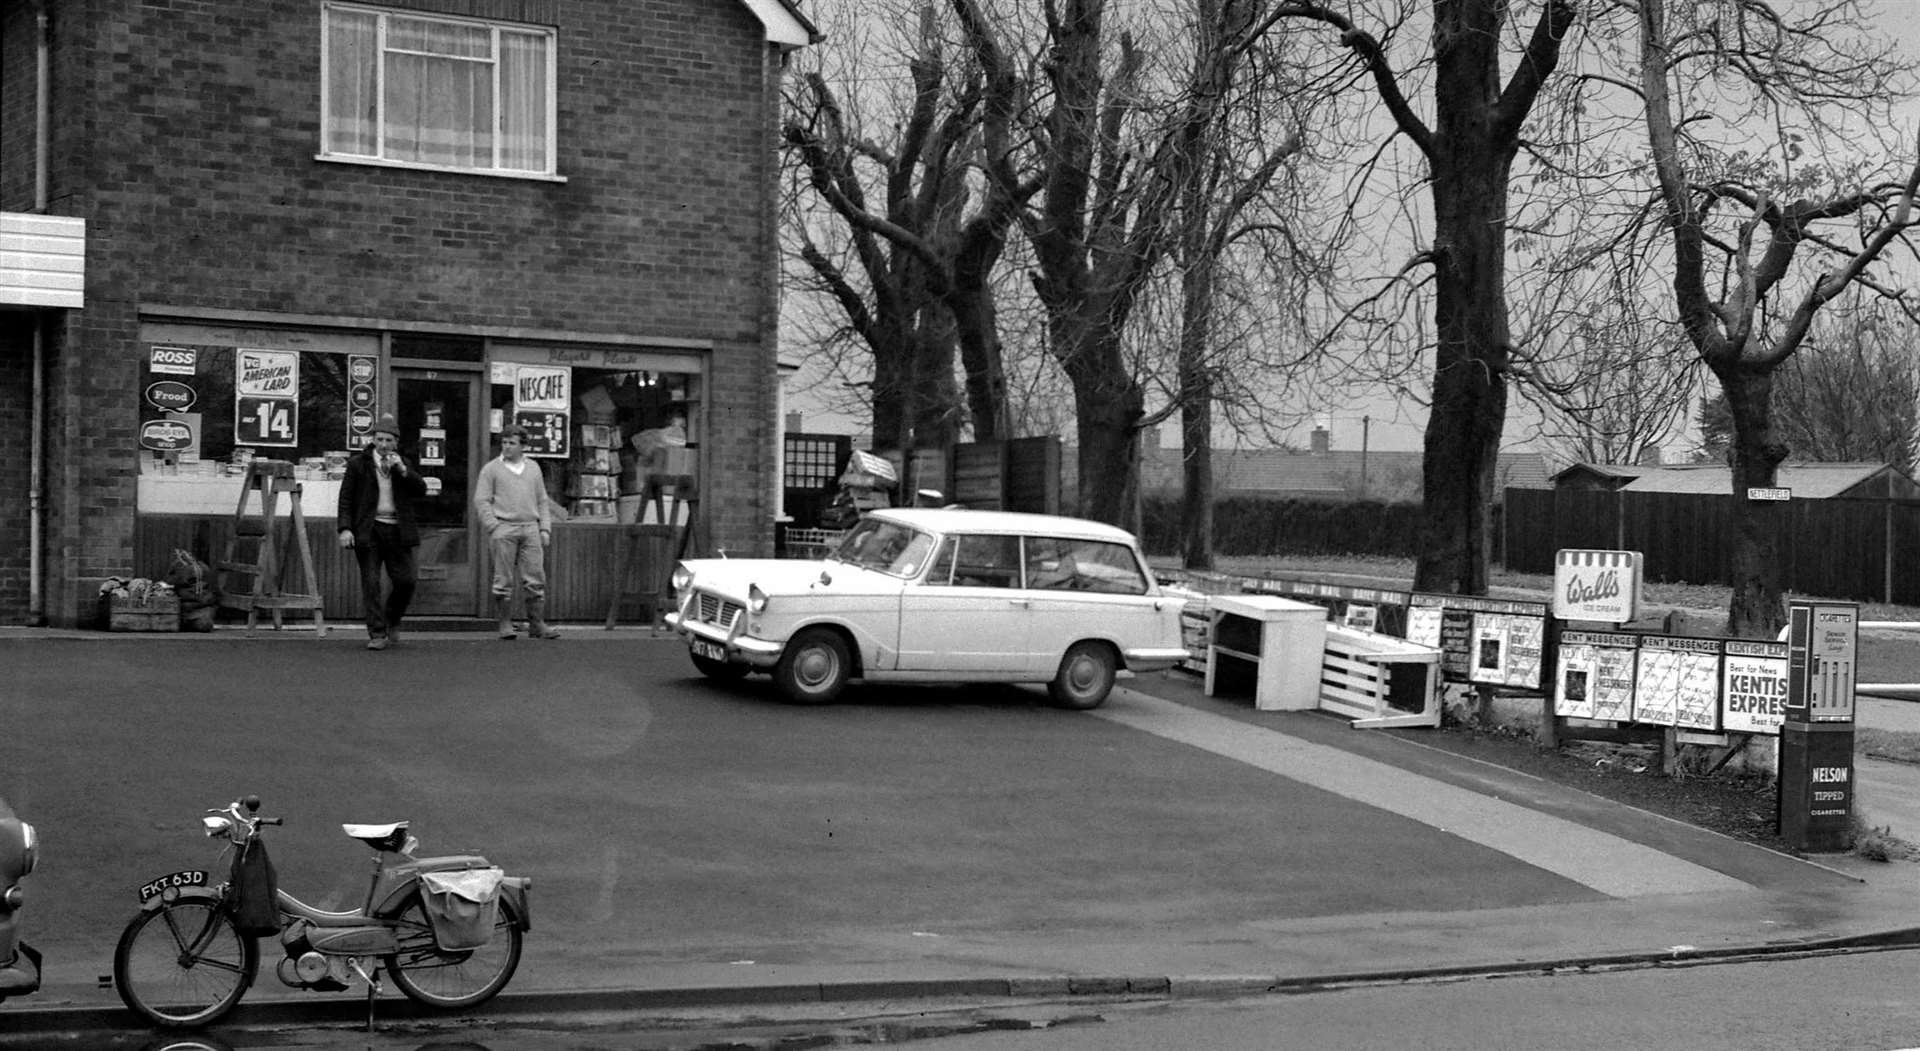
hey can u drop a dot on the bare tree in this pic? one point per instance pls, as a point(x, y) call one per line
point(910, 261)
point(1760, 246)
point(1111, 158)
point(1469, 150)
point(1848, 395)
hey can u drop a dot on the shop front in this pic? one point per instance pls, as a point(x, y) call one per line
point(604, 420)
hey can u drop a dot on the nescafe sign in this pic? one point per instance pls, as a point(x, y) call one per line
point(165, 436)
point(171, 396)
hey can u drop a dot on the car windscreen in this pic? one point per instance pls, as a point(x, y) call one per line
point(888, 547)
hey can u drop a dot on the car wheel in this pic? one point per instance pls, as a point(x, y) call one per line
point(724, 671)
point(1085, 676)
point(814, 668)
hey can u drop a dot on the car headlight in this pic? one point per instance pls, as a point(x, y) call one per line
point(756, 599)
point(29, 848)
point(14, 897)
point(682, 576)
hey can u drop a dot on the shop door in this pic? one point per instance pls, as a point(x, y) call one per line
point(439, 414)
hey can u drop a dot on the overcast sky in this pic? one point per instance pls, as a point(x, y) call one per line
point(1382, 422)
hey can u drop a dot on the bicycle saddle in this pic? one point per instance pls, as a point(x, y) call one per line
point(388, 837)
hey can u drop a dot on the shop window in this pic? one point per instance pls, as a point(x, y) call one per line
point(437, 92)
point(601, 443)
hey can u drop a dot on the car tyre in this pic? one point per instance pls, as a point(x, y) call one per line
point(1085, 677)
point(723, 671)
point(814, 668)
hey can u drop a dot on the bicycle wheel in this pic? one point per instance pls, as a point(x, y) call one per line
point(435, 978)
point(183, 964)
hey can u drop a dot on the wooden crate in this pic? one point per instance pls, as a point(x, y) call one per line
point(159, 613)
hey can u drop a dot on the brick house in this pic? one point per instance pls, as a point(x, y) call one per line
point(256, 224)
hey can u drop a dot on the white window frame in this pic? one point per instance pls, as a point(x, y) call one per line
point(550, 172)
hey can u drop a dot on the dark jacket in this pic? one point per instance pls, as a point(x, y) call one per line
point(360, 496)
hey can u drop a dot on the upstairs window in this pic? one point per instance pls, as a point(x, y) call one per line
point(436, 92)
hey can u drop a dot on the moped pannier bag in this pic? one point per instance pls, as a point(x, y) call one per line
point(462, 906)
point(254, 886)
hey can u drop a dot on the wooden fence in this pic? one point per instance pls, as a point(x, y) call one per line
point(1867, 550)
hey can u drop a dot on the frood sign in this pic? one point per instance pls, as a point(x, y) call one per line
point(1596, 585)
point(171, 396)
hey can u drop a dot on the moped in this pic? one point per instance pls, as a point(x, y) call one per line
point(446, 930)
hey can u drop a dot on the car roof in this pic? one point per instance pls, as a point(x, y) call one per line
point(967, 520)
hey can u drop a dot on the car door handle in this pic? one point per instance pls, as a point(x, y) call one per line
point(1020, 602)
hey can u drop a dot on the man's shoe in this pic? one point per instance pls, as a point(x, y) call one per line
point(543, 632)
point(378, 642)
point(393, 635)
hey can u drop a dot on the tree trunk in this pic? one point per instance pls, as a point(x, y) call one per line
point(1758, 606)
point(1109, 403)
point(1196, 396)
point(1470, 308)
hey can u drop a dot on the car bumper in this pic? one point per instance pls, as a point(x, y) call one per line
point(1154, 659)
point(21, 975)
point(708, 640)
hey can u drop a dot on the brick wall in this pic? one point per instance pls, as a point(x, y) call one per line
point(186, 132)
point(16, 357)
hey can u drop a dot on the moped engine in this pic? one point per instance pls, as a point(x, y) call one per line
point(305, 969)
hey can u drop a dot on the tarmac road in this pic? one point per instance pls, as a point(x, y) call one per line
point(691, 840)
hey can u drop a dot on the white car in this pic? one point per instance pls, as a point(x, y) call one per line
point(936, 595)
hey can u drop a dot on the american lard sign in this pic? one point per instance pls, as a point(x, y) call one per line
point(1596, 585)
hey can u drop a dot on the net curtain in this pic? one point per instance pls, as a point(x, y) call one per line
point(438, 86)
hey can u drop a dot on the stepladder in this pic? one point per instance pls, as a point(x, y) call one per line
point(670, 514)
point(268, 563)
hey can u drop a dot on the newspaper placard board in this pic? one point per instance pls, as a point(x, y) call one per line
point(1753, 686)
point(1595, 679)
point(1677, 682)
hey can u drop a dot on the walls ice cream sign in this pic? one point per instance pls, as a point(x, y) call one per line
point(1596, 585)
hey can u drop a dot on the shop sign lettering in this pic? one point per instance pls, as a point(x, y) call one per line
point(1596, 585)
point(538, 388)
point(171, 396)
point(165, 436)
point(267, 373)
point(174, 361)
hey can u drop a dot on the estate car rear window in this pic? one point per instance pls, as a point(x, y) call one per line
point(1063, 564)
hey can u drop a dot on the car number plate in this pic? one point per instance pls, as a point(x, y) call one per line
point(710, 650)
point(188, 878)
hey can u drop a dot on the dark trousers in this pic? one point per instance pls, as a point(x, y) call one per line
point(386, 550)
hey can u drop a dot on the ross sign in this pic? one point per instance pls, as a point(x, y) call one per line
point(362, 370)
point(171, 396)
point(1753, 686)
point(1769, 493)
point(1596, 585)
point(166, 436)
point(173, 361)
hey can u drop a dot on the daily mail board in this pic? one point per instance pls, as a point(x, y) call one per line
point(1486, 641)
point(1715, 685)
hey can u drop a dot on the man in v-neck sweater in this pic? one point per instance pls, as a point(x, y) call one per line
point(511, 499)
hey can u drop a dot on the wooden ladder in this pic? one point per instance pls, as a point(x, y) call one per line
point(634, 581)
point(251, 571)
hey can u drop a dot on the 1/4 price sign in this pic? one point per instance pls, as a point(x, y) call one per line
point(266, 421)
point(266, 392)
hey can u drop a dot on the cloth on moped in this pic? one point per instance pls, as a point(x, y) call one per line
point(256, 911)
point(462, 906)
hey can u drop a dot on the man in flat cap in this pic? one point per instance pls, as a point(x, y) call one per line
point(376, 521)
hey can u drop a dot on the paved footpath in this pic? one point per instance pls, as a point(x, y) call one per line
point(1588, 881)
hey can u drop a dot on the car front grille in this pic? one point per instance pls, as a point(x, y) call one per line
point(712, 609)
